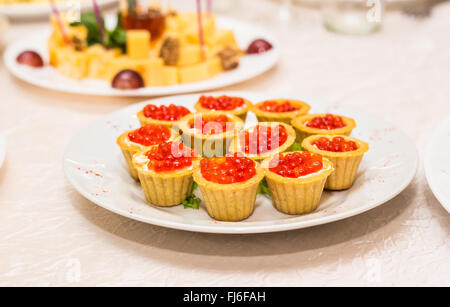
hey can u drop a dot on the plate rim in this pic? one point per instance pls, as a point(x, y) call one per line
point(243, 230)
point(445, 203)
point(24, 11)
point(186, 88)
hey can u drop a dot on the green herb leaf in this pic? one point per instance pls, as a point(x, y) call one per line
point(192, 201)
point(117, 38)
point(297, 147)
point(263, 189)
point(89, 20)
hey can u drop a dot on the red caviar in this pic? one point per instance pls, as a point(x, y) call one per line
point(228, 169)
point(276, 107)
point(167, 113)
point(150, 135)
point(212, 124)
point(263, 139)
point(337, 144)
point(328, 122)
point(296, 164)
point(170, 156)
point(221, 103)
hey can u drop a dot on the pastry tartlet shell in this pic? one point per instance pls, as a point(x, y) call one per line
point(285, 117)
point(165, 189)
point(304, 131)
point(229, 202)
point(128, 150)
point(193, 138)
point(240, 112)
point(235, 145)
point(150, 121)
point(346, 164)
point(297, 195)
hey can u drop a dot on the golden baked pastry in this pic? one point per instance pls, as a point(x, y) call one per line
point(210, 133)
point(233, 105)
point(137, 140)
point(165, 172)
point(344, 152)
point(229, 186)
point(329, 124)
point(263, 140)
point(280, 110)
point(296, 180)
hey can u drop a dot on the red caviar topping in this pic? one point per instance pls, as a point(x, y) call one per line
point(150, 135)
point(170, 156)
point(337, 144)
point(263, 139)
point(170, 113)
point(221, 103)
point(296, 164)
point(276, 107)
point(328, 122)
point(227, 170)
point(212, 124)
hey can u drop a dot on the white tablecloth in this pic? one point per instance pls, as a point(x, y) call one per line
point(51, 235)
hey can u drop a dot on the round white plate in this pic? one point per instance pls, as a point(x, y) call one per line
point(2, 149)
point(437, 163)
point(43, 9)
point(250, 66)
point(94, 165)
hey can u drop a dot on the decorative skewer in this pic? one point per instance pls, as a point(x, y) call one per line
point(59, 21)
point(98, 17)
point(200, 28)
point(209, 7)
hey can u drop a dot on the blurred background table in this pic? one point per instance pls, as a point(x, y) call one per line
point(51, 235)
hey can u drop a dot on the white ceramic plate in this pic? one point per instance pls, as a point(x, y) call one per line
point(43, 9)
point(2, 149)
point(437, 163)
point(94, 165)
point(48, 77)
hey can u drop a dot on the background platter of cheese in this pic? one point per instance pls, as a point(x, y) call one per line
point(173, 58)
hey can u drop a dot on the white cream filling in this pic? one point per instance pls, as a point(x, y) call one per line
point(142, 160)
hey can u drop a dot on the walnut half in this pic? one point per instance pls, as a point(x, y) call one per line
point(229, 58)
point(170, 51)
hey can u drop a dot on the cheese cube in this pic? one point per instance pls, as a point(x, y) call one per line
point(194, 73)
point(189, 55)
point(192, 31)
point(222, 37)
point(116, 65)
point(152, 71)
point(72, 64)
point(138, 44)
point(214, 66)
point(98, 58)
point(170, 75)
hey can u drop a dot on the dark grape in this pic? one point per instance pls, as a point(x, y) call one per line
point(127, 80)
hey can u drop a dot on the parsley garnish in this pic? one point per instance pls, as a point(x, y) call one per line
point(192, 201)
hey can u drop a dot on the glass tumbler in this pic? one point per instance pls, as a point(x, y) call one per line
point(353, 16)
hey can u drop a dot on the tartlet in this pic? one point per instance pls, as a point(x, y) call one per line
point(228, 196)
point(313, 124)
point(344, 152)
point(293, 189)
point(165, 173)
point(162, 115)
point(249, 140)
point(237, 106)
point(137, 140)
point(210, 133)
point(280, 110)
